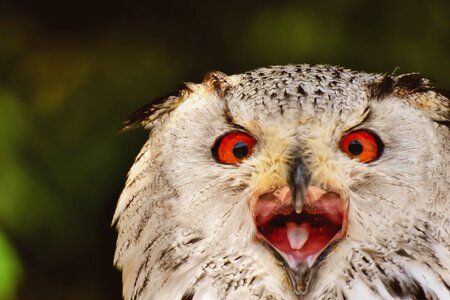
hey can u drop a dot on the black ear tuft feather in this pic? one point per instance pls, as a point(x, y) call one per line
point(149, 112)
point(417, 91)
point(381, 89)
point(413, 82)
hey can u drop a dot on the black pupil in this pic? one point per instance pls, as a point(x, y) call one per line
point(355, 148)
point(240, 150)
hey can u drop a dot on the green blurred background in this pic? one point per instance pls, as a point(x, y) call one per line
point(71, 71)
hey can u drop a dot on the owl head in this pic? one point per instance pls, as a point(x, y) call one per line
point(286, 182)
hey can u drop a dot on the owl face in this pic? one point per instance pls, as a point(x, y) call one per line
point(287, 170)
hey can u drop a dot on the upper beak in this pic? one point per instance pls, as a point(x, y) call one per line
point(299, 182)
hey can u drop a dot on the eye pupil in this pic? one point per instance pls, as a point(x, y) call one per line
point(355, 148)
point(240, 150)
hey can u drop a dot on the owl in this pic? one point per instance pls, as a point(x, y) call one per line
point(290, 182)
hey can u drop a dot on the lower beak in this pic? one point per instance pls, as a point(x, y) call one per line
point(300, 279)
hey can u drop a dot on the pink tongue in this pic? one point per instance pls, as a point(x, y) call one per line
point(297, 235)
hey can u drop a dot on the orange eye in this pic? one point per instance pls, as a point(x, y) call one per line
point(362, 145)
point(233, 148)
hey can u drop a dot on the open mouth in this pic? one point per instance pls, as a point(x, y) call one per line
point(300, 237)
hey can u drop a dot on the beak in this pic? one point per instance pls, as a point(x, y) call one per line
point(299, 183)
point(300, 240)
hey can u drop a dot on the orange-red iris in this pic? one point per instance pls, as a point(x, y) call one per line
point(233, 148)
point(362, 145)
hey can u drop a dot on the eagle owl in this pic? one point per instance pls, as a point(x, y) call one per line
point(290, 182)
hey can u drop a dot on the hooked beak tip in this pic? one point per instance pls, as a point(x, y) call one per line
point(298, 203)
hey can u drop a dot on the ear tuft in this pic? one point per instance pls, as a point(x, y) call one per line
point(218, 81)
point(420, 93)
point(417, 91)
point(146, 116)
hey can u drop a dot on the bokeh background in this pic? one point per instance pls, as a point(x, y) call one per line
point(71, 71)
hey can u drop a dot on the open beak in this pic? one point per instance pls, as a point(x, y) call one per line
point(300, 223)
